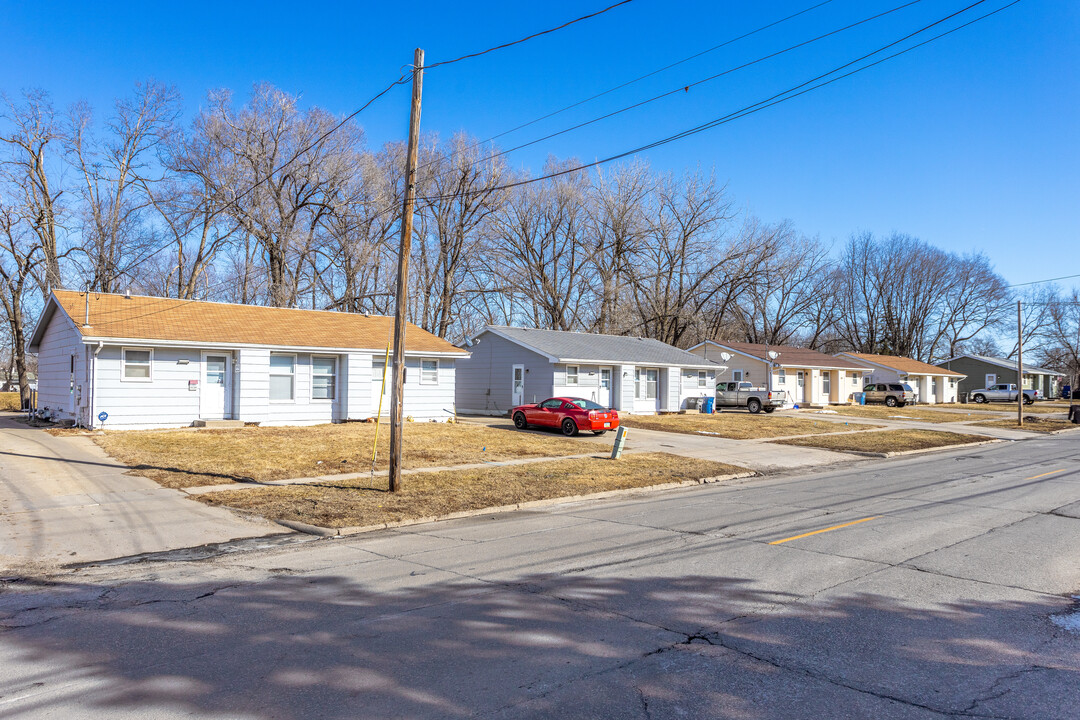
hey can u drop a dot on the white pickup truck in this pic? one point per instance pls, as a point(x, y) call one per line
point(1002, 392)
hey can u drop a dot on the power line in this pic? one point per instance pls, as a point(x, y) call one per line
point(788, 94)
point(527, 38)
point(649, 74)
point(1040, 282)
point(686, 87)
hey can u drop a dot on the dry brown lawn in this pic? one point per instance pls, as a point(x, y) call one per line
point(10, 401)
point(1034, 423)
point(736, 426)
point(1038, 407)
point(883, 412)
point(435, 494)
point(187, 458)
point(888, 441)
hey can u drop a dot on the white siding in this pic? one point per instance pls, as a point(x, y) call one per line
point(356, 383)
point(58, 343)
point(165, 401)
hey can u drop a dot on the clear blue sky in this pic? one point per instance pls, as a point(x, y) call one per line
point(970, 143)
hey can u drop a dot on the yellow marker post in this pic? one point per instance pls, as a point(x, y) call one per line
point(378, 417)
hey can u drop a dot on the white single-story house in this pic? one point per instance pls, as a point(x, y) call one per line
point(512, 366)
point(807, 376)
point(145, 362)
point(931, 384)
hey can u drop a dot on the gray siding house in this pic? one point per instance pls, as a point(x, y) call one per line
point(983, 371)
point(512, 366)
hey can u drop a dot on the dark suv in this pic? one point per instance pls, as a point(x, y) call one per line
point(892, 394)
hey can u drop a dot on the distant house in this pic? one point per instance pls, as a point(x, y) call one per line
point(511, 366)
point(983, 371)
point(931, 383)
point(807, 376)
point(161, 362)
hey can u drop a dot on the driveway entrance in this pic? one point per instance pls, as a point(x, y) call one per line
point(63, 500)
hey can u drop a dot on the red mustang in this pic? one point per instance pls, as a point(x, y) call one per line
point(567, 413)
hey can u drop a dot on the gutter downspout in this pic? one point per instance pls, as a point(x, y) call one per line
point(93, 385)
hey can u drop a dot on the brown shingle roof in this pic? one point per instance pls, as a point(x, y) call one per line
point(792, 356)
point(904, 364)
point(154, 318)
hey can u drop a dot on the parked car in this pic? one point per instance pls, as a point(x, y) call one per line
point(892, 394)
point(1002, 392)
point(569, 414)
point(743, 394)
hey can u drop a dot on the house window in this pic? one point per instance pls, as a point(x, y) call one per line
point(282, 378)
point(781, 378)
point(652, 381)
point(429, 372)
point(855, 380)
point(702, 379)
point(637, 382)
point(736, 375)
point(136, 364)
point(571, 374)
point(323, 377)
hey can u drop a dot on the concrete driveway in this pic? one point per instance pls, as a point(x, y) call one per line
point(757, 455)
point(63, 500)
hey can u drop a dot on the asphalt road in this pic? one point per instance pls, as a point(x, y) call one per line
point(930, 588)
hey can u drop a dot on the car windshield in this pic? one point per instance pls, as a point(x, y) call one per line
point(586, 404)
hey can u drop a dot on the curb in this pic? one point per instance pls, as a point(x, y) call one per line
point(499, 509)
point(921, 451)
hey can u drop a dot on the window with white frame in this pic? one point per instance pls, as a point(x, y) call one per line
point(781, 377)
point(571, 374)
point(637, 382)
point(854, 379)
point(737, 375)
point(702, 378)
point(652, 383)
point(429, 372)
point(136, 365)
point(323, 377)
point(282, 378)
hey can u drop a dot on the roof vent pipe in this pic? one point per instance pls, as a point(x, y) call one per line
point(127, 293)
point(86, 320)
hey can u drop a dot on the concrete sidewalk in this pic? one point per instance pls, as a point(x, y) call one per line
point(63, 500)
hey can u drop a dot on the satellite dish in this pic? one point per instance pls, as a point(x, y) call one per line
point(773, 354)
point(725, 356)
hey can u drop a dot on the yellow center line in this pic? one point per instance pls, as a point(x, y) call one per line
point(1045, 474)
point(824, 530)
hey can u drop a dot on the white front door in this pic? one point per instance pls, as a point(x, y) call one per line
point(380, 387)
point(517, 389)
point(603, 395)
point(826, 385)
point(800, 384)
point(215, 395)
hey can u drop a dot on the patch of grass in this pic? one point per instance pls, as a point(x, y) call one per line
point(1034, 423)
point(888, 441)
point(10, 401)
point(440, 493)
point(1039, 407)
point(186, 458)
point(735, 426)
point(883, 412)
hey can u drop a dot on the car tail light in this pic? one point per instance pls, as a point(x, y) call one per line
point(592, 414)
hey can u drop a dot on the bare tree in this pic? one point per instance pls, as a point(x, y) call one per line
point(114, 170)
point(459, 194)
point(19, 256)
point(32, 176)
point(280, 171)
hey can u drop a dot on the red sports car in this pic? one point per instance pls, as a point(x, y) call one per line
point(568, 414)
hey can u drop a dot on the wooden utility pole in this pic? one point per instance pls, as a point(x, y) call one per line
point(403, 273)
point(1019, 368)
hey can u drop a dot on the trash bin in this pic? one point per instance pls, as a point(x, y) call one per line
point(709, 404)
point(693, 403)
point(860, 398)
point(1074, 414)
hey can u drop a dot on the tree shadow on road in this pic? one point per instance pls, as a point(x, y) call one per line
point(274, 644)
